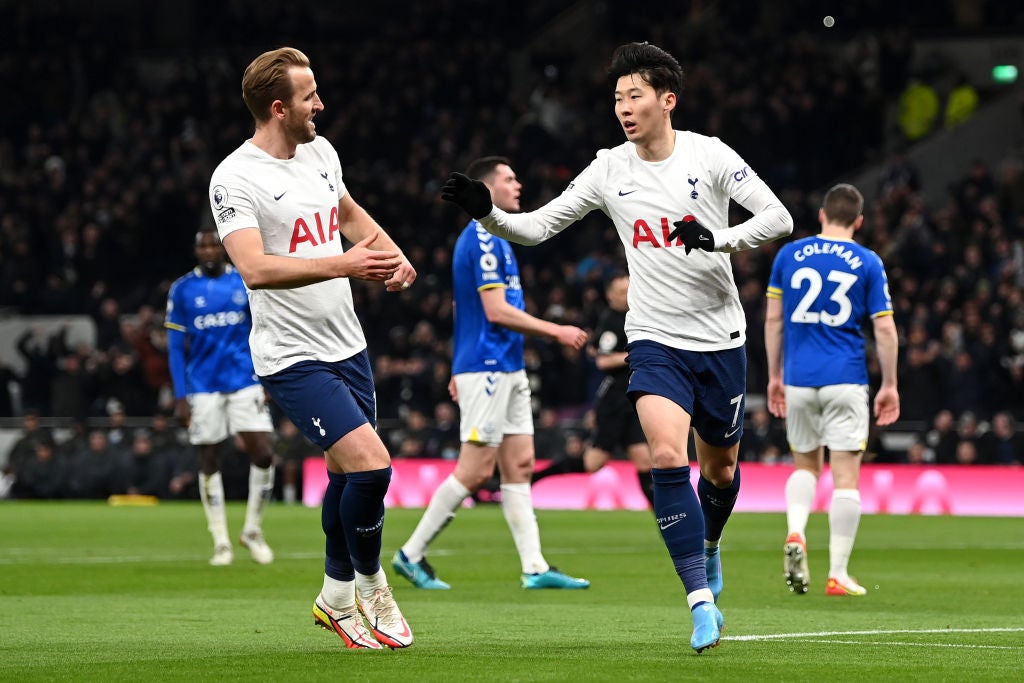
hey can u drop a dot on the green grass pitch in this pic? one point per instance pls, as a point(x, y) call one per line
point(93, 592)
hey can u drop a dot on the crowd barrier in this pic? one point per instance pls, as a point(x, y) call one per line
point(888, 489)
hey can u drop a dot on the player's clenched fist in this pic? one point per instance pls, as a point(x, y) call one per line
point(472, 195)
point(693, 235)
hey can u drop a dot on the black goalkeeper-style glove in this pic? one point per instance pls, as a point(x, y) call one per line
point(693, 234)
point(472, 195)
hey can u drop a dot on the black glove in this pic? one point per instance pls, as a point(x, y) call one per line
point(693, 234)
point(472, 195)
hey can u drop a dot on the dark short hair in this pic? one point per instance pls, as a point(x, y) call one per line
point(843, 203)
point(657, 68)
point(484, 166)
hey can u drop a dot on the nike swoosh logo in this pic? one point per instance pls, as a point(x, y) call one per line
point(704, 238)
point(278, 196)
point(728, 434)
point(665, 526)
point(623, 194)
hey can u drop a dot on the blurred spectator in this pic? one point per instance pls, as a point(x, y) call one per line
point(24, 449)
point(942, 438)
point(34, 347)
point(117, 432)
point(549, 436)
point(43, 475)
point(413, 439)
point(445, 431)
point(919, 454)
point(96, 471)
point(73, 388)
point(143, 469)
point(764, 439)
point(967, 453)
point(1002, 445)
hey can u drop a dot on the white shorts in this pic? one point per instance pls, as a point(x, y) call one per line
point(493, 404)
point(835, 416)
point(214, 416)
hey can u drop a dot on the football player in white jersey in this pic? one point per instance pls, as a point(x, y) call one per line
point(667, 191)
point(282, 209)
point(822, 291)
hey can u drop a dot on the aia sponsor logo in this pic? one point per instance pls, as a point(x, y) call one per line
point(643, 233)
point(303, 233)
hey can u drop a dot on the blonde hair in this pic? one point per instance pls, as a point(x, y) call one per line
point(266, 79)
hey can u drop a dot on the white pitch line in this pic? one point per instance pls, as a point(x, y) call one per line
point(130, 559)
point(874, 632)
point(907, 643)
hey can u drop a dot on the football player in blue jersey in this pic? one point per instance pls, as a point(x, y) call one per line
point(217, 392)
point(822, 291)
point(490, 385)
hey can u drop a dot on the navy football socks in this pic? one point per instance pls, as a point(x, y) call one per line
point(681, 522)
point(338, 563)
point(717, 504)
point(362, 513)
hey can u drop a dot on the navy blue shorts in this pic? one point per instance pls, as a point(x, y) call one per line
point(325, 400)
point(709, 385)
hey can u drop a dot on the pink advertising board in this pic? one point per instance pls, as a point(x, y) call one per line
point(892, 489)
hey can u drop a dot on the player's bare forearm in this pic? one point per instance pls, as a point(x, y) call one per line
point(260, 270)
point(887, 344)
point(499, 312)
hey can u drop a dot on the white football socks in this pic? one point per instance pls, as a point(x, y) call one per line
point(440, 511)
point(211, 492)
point(517, 504)
point(800, 489)
point(843, 519)
point(337, 594)
point(368, 584)
point(261, 487)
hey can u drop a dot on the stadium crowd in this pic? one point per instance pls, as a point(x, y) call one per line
point(104, 173)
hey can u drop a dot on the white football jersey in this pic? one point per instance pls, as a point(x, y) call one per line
point(294, 204)
point(683, 301)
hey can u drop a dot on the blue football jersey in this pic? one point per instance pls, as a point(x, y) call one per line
point(213, 315)
point(830, 288)
point(482, 261)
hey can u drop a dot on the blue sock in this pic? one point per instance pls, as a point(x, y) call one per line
point(681, 523)
point(362, 513)
point(717, 504)
point(338, 564)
